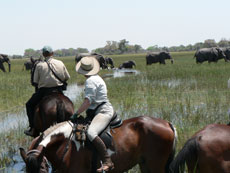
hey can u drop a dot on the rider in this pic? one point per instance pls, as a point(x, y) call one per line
point(95, 99)
point(45, 82)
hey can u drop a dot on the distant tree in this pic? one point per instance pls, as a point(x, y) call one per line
point(58, 53)
point(210, 43)
point(31, 52)
point(137, 48)
point(122, 46)
point(82, 50)
point(198, 46)
point(154, 48)
point(16, 57)
point(224, 43)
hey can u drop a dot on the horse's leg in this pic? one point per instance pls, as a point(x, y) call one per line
point(144, 167)
point(149, 166)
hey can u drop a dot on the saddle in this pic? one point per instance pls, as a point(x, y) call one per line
point(81, 126)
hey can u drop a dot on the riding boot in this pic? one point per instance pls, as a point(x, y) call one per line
point(101, 148)
point(30, 131)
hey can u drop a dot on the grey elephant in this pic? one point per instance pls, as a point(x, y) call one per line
point(226, 51)
point(4, 58)
point(209, 54)
point(109, 61)
point(127, 64)
point(99, 57)
point(156, 57)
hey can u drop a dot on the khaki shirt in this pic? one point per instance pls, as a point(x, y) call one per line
point(44, 77)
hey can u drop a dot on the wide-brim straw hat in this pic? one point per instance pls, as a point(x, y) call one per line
point(88, 66)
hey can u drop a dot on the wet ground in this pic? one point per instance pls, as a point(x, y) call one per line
point(11, 120)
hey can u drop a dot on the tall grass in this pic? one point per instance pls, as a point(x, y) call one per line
point(187, 94)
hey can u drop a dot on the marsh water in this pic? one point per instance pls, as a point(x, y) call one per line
point(16, 117)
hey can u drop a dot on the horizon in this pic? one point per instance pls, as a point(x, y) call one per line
point(89, 24)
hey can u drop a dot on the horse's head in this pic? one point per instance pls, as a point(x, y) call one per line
point(35, 161)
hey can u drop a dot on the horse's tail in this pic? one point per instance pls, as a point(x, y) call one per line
point(187, 154)
point(172, 154)
point(60, 111)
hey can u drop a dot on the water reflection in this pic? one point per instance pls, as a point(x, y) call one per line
point(121, 73)
point(73, 91)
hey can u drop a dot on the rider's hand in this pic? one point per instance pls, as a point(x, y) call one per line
point(73, 118)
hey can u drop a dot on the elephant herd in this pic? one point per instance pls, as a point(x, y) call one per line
point(212, 54)
point(106, 62)
point(205, 54)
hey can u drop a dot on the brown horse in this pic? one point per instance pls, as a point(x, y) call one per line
point(53, 108)
point(208, 151)
point(144, 140)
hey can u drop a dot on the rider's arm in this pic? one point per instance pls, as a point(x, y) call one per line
point(84, 106)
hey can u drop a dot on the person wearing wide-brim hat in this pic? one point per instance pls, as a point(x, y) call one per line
point(96, 101)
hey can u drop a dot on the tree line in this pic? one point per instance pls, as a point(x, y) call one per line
point(123, 47)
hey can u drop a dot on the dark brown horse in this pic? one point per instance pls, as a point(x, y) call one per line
point(53, 108)
point(208, 151)
point(144, 140)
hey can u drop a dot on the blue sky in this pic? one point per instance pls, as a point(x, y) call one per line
point(90, 23)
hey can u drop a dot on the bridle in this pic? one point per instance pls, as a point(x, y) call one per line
point(37, 153)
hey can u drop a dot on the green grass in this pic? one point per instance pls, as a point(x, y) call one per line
point(185, 93)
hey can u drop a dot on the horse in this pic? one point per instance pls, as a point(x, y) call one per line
point(147, 141)
point(29, 64)
point(53, 108)
point(208, 150)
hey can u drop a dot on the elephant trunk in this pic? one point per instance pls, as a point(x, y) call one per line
point(9, 67)
point(172, 61)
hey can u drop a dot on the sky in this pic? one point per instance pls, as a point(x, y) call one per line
point(90, 23)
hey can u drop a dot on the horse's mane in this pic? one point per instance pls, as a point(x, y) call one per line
point(52, 128)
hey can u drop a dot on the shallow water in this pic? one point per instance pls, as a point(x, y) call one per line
point(11, 120)
point(121, 73)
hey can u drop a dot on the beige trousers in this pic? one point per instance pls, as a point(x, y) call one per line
point(103, 116)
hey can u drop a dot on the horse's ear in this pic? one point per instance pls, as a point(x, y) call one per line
point(23, 154)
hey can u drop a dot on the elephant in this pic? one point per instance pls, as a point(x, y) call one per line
point(156, 57)
point(99, 57)
point(4, 58)
point(226, 51)
point(209, 54)
point(108, 61)
point(127, 64)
